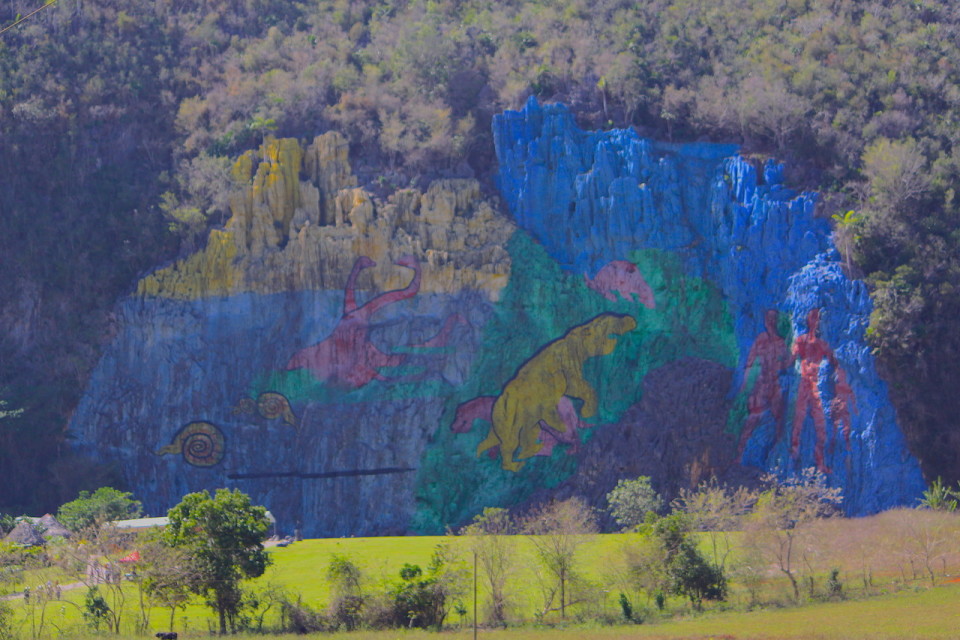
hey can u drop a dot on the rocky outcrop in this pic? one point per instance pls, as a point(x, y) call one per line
point(200, 388)
point(762, 246)
point(299, 222)
point(371, 367)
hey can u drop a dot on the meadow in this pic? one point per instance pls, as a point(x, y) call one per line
point(897, 576)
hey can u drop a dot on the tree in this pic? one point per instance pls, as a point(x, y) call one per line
point(494, 547)
point(103, 505)
point(631, 500)
point(557, 530)
point(423, 600)
point(223, 535)
point(346, 596)
point(897, 171)
point(782, 510)
point(717, 510)
point(166, 575)
point(688, 572)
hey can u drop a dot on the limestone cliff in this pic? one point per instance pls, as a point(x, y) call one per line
point(299, 221)
point(368, 367)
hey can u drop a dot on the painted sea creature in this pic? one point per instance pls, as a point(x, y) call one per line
point(347, 358)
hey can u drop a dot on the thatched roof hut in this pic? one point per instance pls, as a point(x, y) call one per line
point(25, 534)
point(52, 528)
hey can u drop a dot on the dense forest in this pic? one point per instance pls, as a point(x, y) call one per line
point(119, 122)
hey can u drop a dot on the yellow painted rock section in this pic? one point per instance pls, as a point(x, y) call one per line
point(300, 222)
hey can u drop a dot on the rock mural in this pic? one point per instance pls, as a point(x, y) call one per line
point(365, 367)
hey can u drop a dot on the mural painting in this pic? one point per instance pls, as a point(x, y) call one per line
point(624, 278)
point(347, 358)
point(811, 351)
point(770, 351)
point(384, 394)
point(481, 408)
point(202, 444)
point(530, 401)
point(270, 405)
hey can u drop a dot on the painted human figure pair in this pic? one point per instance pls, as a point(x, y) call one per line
point(770, 350)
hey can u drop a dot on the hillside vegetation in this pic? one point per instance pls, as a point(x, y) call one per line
point(119, 121)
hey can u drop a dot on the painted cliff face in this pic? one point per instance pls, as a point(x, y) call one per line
point(371, 368)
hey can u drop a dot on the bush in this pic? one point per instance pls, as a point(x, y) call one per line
point(631, 501)
point(299, 618)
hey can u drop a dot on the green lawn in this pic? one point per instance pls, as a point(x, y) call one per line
point(301, 569)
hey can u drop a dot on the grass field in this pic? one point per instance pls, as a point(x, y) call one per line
point(912, 609)
point(928, 614)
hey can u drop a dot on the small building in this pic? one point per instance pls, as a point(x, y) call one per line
point(26, 534)
point(140, 524)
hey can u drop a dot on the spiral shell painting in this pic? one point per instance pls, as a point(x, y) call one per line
point(201, 443)
point(275, 405)
point(246, 405)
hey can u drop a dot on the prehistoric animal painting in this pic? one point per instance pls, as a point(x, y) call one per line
point(625, 278)
point(269, 405)
point(202, 444)
point(481, 408)
point(530, 402)
point(770, 351)
point(347, 358)
point(811, 351)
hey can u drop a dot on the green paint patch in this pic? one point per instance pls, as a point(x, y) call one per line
point(540, 304)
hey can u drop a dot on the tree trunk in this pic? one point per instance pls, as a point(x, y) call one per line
point(222, 612)
point(563, 599)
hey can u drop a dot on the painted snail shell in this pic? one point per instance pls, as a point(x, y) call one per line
point(274, 405)
point(201, 443)
point(246, 405)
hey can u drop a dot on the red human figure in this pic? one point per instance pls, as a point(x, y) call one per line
point(770, 350)
point(811, 352)
point(841, 404)
point(347, 357)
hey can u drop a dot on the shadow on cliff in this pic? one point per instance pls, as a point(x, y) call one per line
point(676, 435)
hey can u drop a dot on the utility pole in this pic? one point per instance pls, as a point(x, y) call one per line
point(474, 595)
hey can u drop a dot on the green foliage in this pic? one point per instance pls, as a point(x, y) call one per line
point(495, 551)
point(7, 630)
point(631, 500)
point(346, 596)
point(557, 530)
point(103, 505)
point(779, 523)
point(96, 611)
point(834, 584)
point(166, 575)
point(223, 536)
point(423, 600)
point(940, 497)
point(688, 572)
point(797, 499)
point(626, 609)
